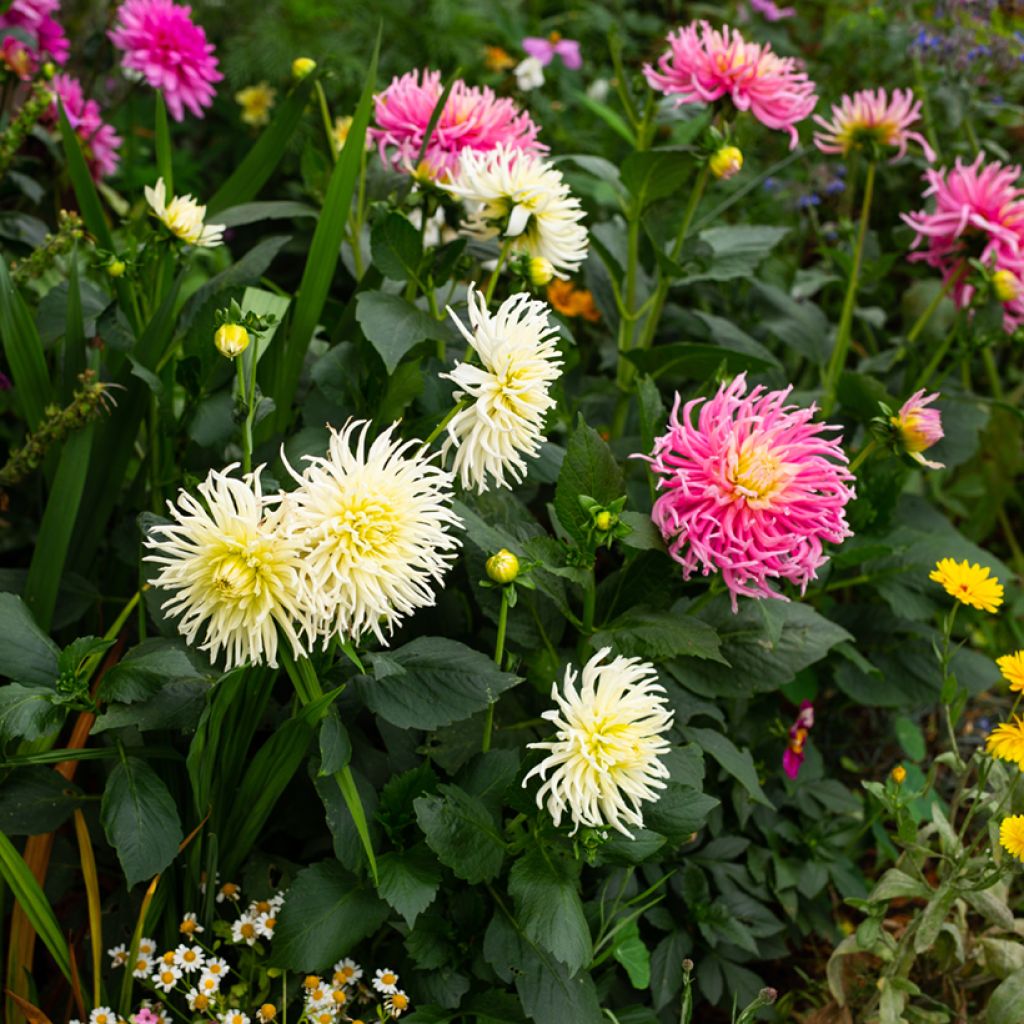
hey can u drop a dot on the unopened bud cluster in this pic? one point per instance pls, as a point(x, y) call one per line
point(62, 241)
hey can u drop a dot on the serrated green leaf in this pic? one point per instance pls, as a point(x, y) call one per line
point(657, 636)
point(462, 832)
point(590, 469)
point(394, 326)
point(679, 812)
point(409, 880)
point(395, 247)
point(738, 763)
point(27, 654)
point(630, 951)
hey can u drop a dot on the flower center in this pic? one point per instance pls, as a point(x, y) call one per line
point(366, 526)
point(239, 573)
point(759, 475)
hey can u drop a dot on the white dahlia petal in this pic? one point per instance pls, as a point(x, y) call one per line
point(508, 394)
point(604, 761)
point(374, 523)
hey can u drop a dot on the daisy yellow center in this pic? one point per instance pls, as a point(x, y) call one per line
point(210, 983)
point(168, 957)
point(188, 956)
point(201, 1002)
point(247, 930)
point(388, 978)
point(141, 965)
point(760, 475)
point(167, 977)
point(400, 1001)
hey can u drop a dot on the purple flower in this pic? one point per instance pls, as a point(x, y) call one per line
point(545, 50)
point(771, 10)
point(793, 756)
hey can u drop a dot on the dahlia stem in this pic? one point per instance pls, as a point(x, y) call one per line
point(922, 321)
point(325, 114)
point(661, 292)
point(936, 361)
point(246, 431)
point(307, 688)
point(499, 656)
point(949, 683)
point(861, 457)
point(842, 343)
point(449, 416)
point(506, 247)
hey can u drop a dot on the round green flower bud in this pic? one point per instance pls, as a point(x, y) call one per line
point(604, 521)
point(116, 268)
point(301, 67)
point(726, 162)
point(503, 567)
point(541, 271)
point(231, 340)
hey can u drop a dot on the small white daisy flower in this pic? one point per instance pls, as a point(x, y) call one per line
point(102, 1015)
point(508, 392)
point(397, 1003)
point(199, 1000)
point(529, 74)
point(217, 966)
point(183, 217)
point(209, 984)
point(266, 923)
point(143, 965)
point(118, 955)
point(347, 972)
point(189, 958)
point(233, 1017)
point(147, 947)
point(385, 981)
point(523, 199)
point(190, 926)
point(246, 930)
point(167, 976)
point(604, 760)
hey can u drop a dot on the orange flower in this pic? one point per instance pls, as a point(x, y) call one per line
point(571, 301)
point(496, 59)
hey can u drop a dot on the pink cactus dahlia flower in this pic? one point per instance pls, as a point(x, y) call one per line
point(751, 490)
point(872, 117)
point(473, 118)
point(979, 212)
point(703, 64)
point(36, 17)
point(99, 140)
point(919, 427)
point(162, 42)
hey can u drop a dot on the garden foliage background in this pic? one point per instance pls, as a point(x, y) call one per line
point(379, 783)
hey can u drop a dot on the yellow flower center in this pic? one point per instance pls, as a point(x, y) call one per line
point(167, 977)
point(366, 526)
point(247, 930)
point(400, 1001)
point(387, 978)
point(201, 1002)
point(759, 475)
point(188, 956)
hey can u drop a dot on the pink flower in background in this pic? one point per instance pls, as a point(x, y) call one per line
point(771, 11)
point(872, 116)
point(145, 1016)
point(704, 64)
point(919, 427)
point(793, 756)
point(18, 58)
point(99, 140)
point(162, 42)
point(751, 489)
point(545, 50)
point(36, 17)
point(979, 212)
point(473, 118)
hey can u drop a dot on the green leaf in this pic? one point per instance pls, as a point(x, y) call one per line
point(767, 644)
point(737, 250)
point(409, 880)
point(800, 325)
point(24, 351)
point(630, 951)
point(693, 361)
point(259, 163)
point(36, 800)
point(659, 635)
point(26, 652)
point(549, 992)
point(1004, 1005)
point(146, 668)
point(85, 190)
point(895, 884)
point(462, 832)
point(140, 819)
point(544, 886)
point(257, 213)
point(738, 763)
point(655, 173)
point(327, 913)
point(57, 526)
point(335, 745)
point(910, 737)
point(164, 164)
point(642, 536)
point(590, 469)
point(177, 705)
point(324, 250)
point(432, 682)
point(28, 712)
point(395, 247)
point(394, 326)
point(610, 117)
point(30, 897)
point(679, 812)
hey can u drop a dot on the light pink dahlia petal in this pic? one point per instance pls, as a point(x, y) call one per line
point(751, 488)
point(160, 40)
point(36, 18)
point(99, 140)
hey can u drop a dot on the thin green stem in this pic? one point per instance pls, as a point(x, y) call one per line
point(993, 372)
point(862, 456)
point(499, 657)
point(325, 114)
point(246, 432)
point(842, 343)
point(922, 320)
point(936, 361)
point(449, 416)
point(506, 248)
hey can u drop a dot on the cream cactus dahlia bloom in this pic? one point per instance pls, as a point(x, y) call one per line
point(184, 217)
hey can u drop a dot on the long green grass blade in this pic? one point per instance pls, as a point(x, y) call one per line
point(283, 375)
point(259, 163)
point(164, 163)
point(74, 335)
point(82, 183)
point(24, 351)
point(34, 903)
point(54, 537)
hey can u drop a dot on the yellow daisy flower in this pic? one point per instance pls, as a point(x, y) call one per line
point(1006, 741)
point(1011, 835)
point(1012, 667)
point(256, 102)
point(969, 584)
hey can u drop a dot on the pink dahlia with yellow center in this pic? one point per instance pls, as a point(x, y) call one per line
point(35, 19)
point(705, 64)
point(870, 119)
point(919, 427)
point(752, 488)
point(978, 212)
point(161, 42)
point(473, 118)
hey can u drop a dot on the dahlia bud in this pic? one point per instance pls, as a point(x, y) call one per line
point(301, 67)
point(604, 521)
point(231, 340)
point(898, 775)
point(503, 567)
point(918, 428)
point(116, 268)
point(1006, 285)
point(541, 271)
point(726, 162)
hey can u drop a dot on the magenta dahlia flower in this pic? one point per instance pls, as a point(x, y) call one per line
point(704, 64)
point(100, 142)
point(160, 40)
point(546, 49)
point(918, 427)
point(793, 755)
point(979, 212)
point(771, 11)
point(36, 18)
point(473, 118)
point(872, 117)
point(752, 489)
